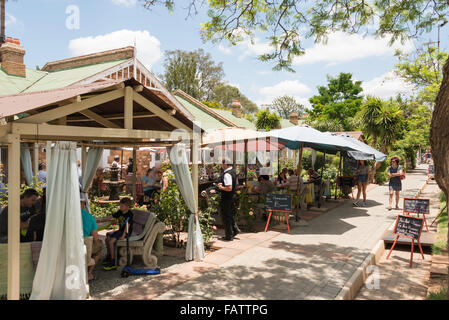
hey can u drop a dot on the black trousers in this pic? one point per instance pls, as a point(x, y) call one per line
point(228, 212)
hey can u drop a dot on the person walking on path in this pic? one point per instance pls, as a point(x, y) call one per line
point(362, 181)
point(395, 186)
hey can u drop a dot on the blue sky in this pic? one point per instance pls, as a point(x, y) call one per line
point(104, 24)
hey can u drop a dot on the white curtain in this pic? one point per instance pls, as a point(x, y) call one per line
point(92, 160)
point(179, 164)
point(61, 271)
point(25, 157)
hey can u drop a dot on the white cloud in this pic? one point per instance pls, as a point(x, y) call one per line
point(224, 49)
point(342, 47)
point(289, 87)
point(386, 86)
point(126, 3)
point(255, 47)
point(293, 88)
point(10, 19)
point(148, 46)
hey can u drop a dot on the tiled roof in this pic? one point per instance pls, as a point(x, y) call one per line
point(207, 122)
point(239, 122)
point(37, 80)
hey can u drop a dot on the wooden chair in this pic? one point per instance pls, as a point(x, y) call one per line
point(146, 230)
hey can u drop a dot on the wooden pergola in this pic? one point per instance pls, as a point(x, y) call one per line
point(108, 114)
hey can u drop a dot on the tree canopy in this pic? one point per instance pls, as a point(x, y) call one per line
point(194, 72)
point(339, 101)
point(267, 121)
point(288, 23)
point(285, 105)
point(224, 94)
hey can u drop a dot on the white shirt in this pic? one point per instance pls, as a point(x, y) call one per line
point(227, 178)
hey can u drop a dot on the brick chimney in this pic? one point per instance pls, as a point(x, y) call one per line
point(294, 118)
point(11, 57)
point(236, 108)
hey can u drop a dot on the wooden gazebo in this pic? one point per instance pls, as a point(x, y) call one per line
point(109, 114)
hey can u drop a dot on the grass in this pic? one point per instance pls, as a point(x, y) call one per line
point(440, 295)
point(441, 241)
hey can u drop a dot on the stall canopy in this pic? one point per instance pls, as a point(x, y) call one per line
point(304, 136)
point(230, 135)
point(366, 152)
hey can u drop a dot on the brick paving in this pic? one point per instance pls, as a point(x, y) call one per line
point(397, 281)
point(313, 262)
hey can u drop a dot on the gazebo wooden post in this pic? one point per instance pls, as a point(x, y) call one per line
point(83, 158)
point(121, 166)
point(13, 217)
point(134, 174)
point(36, 158)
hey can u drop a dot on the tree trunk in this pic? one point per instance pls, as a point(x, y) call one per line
point(439, 136)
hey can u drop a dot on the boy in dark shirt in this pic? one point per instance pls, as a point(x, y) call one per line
point(27, 210)
point(113, 236)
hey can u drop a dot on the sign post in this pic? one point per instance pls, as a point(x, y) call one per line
point(418, 206)
point(408, 227)
point(279, 204)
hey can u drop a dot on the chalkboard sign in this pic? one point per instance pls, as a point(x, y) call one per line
point(407, 226)
point(413, 205)
point(279, 202)
point(431, 169)
point(346, 181)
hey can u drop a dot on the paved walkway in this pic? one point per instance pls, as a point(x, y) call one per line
point(313, 262)
point(397, 281)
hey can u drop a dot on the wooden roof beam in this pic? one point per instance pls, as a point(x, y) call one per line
point(96, 117)
point(147, 104)
point(71, 108)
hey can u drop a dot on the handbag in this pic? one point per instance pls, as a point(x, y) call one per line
point(403, 176)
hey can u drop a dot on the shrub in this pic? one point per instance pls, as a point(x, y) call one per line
point(442, 197)
point(170, 208)
point(246, 209)
point(102, 210)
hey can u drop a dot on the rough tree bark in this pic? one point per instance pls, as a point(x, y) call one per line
point(439, 136)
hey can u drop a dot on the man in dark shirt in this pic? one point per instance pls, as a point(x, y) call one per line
point(27, 210)
point(112, 237)
point(37, 223)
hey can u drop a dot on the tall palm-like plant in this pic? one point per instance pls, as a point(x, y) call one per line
point(382, 122)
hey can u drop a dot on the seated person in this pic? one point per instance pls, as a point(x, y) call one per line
point(36, 226)
point(90, 228)
point(265, 186)
point(282, 178)
point(150, 180)
point(27, 210)
point(112, 237)
point(293, 181)
point(315, 178)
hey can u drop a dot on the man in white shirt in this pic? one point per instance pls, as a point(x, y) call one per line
point(227, 185)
